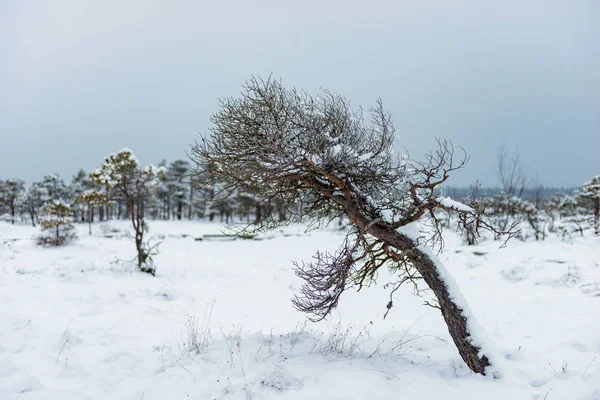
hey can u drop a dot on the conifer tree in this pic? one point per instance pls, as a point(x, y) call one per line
point(176, 175)
point(56, 223)
point(122, 179)
point(55, 188)
point(292, 147)
point(589, 195)
point(89, 199)
point(10, 192)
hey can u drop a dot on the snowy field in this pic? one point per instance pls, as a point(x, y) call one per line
point(79, 322)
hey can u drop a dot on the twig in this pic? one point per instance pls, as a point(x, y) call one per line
point(188, 371)
point(390, 304)
point(64, 342)
point(588, 367)
point(243, 372)
point(432, 305)
point(230, 349)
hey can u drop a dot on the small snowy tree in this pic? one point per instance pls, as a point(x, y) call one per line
point(89, 199)
point(80, 183)
point(504, 210)
point(288, 146)
point(573, 216)
point(553, 209)
point(589, 196)
point(35, 198)
point(537, 218)
point(10, 193)
point(56, 222)
point(124, 180)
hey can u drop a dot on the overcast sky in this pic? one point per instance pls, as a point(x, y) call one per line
point(82, 79)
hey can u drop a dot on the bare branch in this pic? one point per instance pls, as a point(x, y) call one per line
point(325, 280)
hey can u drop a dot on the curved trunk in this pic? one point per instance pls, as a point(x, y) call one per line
point(453, 314)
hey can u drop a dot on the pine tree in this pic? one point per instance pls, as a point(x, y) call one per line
point(56, 223)
point(162, 201)
point(10, 192)
point(536, 217)
point(89, 199)
point(55, 188)
point(589, 195)
point(289, 146)
point(80, 183)
point(178, 189)
point(34, 199)
point(123, 179)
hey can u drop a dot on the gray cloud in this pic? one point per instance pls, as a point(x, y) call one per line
point(80, 79)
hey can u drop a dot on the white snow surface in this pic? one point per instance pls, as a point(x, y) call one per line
point(76, 324)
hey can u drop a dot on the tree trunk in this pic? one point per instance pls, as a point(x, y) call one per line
point(32, 215)
point(135, 221)
point(191, 207)
point(90, 211)
point(452, 313)
point(597, 217)
point(282, 212)
point(258, 208)
point(136, 212)
point(12, 211)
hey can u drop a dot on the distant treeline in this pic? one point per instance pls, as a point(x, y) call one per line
point(530, 194)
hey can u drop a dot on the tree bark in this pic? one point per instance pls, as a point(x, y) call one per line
point(455, 319)
point(90, 211)
point(597, 217)
point(191, 199)
point(32, 215)
point(258, 209)
point(452, 313)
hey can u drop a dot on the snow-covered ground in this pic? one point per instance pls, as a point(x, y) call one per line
point(78, 322)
